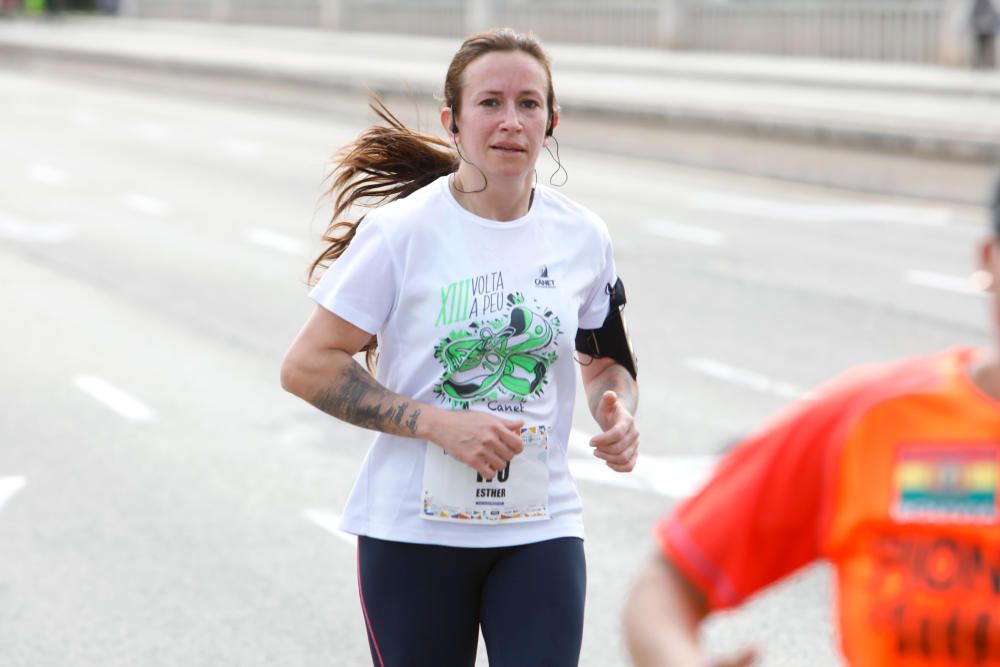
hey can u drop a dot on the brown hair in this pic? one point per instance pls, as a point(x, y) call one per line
point(391, 161)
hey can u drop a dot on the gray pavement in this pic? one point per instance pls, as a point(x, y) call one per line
point(888, 112)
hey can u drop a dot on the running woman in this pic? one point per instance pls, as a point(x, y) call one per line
point(477, 286)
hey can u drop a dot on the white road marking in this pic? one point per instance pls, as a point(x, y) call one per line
point(47, 174)
point(674, 476)
point(597, 472)
point(275, 241)
point(670, 476)
point(685, 233)
point(300, 435)
point(744, 378)
point(9, 486)
point(904, 215)
point(817, 212)
point(940, 281)
point(145, 204)
point(331, 522)
point(242, 148)
point(126, 406)
point(23, 108)
point(152, 132)
point(34, 232)
point(86, 118)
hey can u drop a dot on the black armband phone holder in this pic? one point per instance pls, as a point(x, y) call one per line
point(611, 340)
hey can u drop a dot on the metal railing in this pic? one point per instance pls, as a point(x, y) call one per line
point(901, 30)
point(633, 23)
point(444, 18)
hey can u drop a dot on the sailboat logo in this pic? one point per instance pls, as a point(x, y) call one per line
point(543, 279)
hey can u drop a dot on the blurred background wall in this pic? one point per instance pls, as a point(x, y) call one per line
point(928, 31)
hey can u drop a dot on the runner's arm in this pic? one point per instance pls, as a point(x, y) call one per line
point(613, 395)
point(661, 620)
point(601, 374)
point(319, 368)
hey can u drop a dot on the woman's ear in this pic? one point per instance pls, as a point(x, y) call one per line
point(553, 121)
point(448, 123)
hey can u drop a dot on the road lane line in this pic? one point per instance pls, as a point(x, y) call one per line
point(670, 476)
point(944, 282)
point(22, 108)
point(86, 118)
point(242, 148)
point(9, 486)
point(112, 397)
point(13, 229)
point(275, 241)
point(788, 211)
point(685, 233)
point(597, 472)
point(152, 132)
point(744, 378)
point(145, 204)
point(904, 215)
point(47, 174)
point(330, 521)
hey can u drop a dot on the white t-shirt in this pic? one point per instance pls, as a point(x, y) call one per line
point(428, 278)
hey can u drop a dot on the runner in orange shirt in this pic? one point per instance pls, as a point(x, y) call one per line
point(891, 474)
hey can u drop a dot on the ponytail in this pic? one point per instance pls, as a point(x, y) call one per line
point(385, 163)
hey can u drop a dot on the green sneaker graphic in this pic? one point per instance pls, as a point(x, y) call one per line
point(483, 363)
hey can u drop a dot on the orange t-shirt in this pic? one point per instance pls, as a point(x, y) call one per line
point(891, 474)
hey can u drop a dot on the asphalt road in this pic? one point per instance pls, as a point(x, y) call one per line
point(163, 502)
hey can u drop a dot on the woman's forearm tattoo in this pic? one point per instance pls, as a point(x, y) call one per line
point(614, 378)
point(356, 398)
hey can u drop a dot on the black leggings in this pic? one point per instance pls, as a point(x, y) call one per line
point(423, 604)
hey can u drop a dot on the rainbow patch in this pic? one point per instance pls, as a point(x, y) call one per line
point(953, 484)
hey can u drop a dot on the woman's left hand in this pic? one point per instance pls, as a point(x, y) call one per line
point(618, 445)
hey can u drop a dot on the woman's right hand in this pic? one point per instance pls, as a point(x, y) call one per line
point(481, 441)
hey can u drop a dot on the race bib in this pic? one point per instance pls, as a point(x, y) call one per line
point(520, 492)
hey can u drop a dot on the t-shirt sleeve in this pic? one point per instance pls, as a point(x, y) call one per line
point(594, 309)
point(360, 286)
point(765, 511)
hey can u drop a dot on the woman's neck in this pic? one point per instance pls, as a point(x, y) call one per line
point(502, 200)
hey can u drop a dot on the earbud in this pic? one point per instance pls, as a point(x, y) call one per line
point(454, 126)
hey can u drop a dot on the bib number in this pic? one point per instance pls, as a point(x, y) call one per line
point(454, 492)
